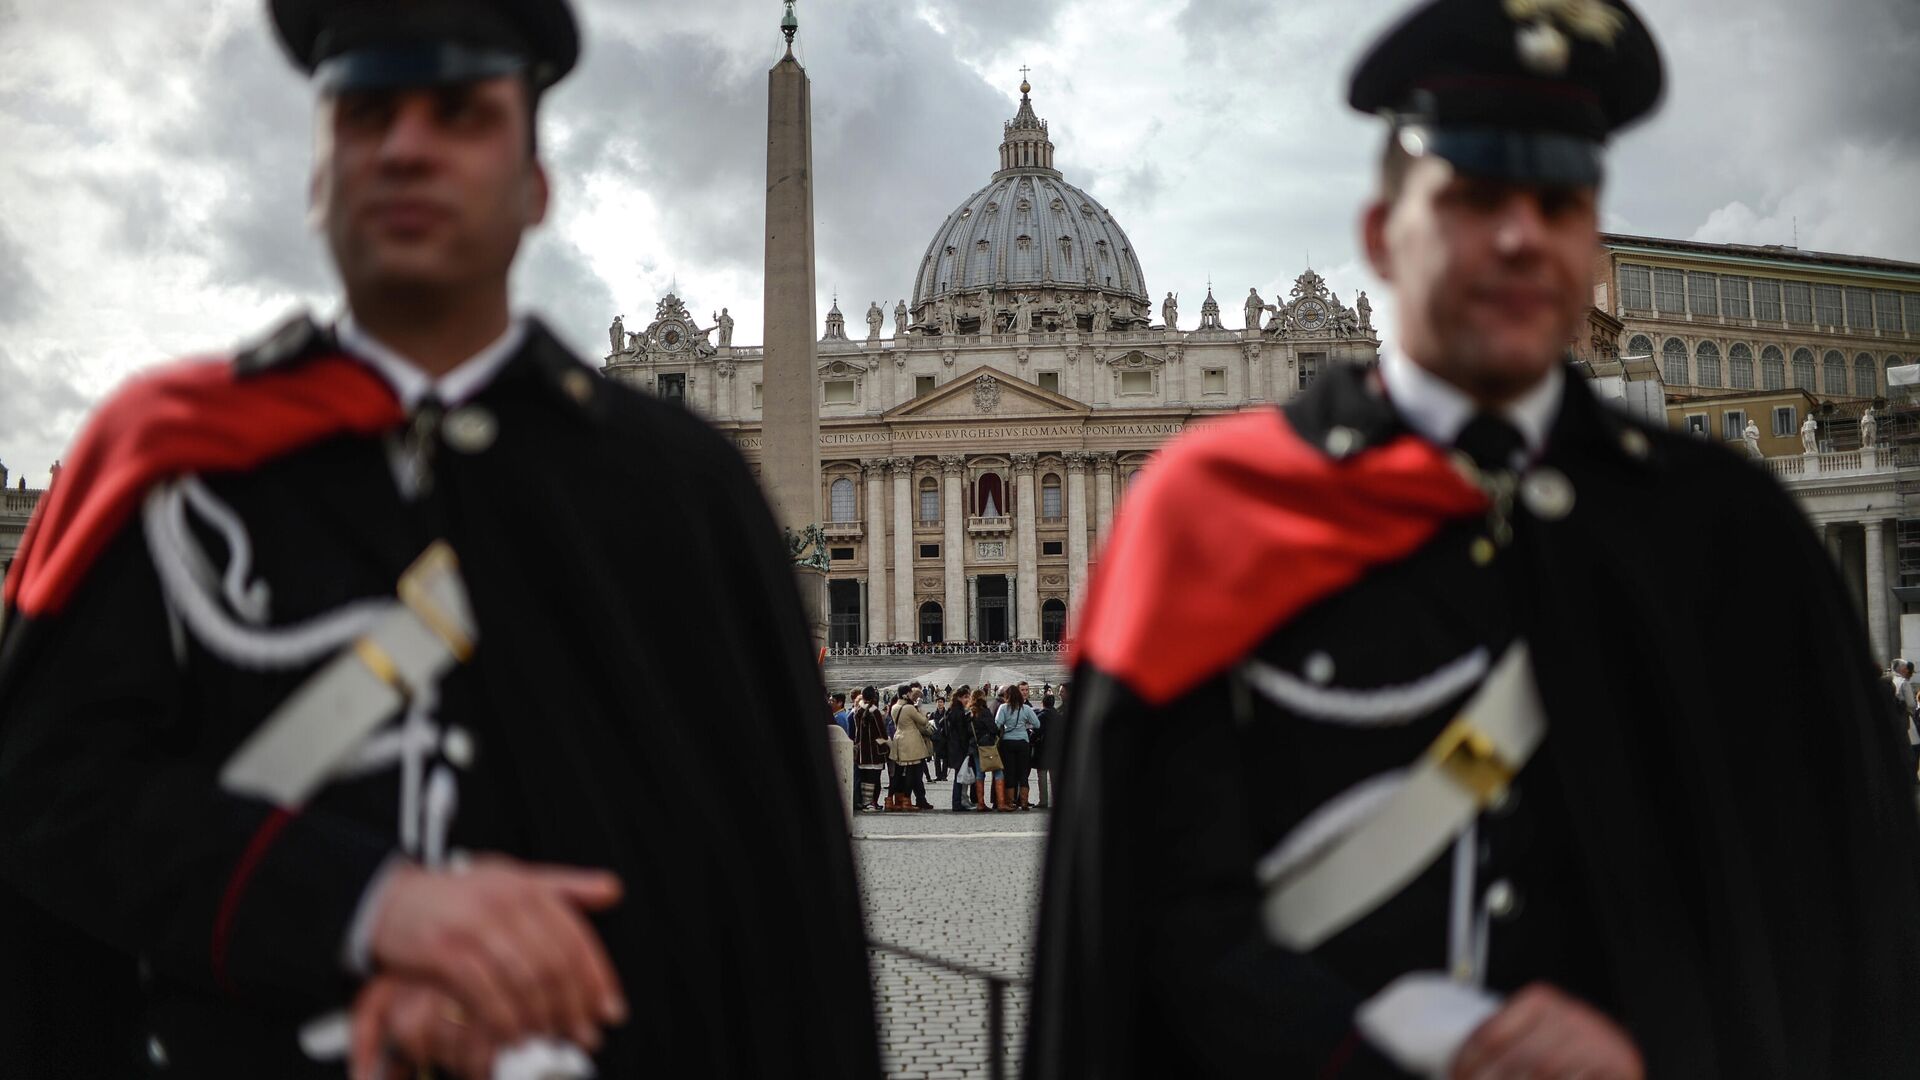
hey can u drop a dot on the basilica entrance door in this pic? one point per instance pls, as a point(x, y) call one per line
point(843, 612)
point(993, 608)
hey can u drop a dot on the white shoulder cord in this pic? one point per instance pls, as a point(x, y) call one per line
point(185, 575)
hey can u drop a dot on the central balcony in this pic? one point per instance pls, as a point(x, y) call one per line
point(989, 526)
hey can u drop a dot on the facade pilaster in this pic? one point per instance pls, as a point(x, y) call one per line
point(1877, 590)
point(1026, 550)
point(906, 621)
point(873, 598)
point(953, 551)
point(1102, 496)
point(1076, 534)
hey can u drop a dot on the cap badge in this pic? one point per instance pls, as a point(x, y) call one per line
point(1594, 20)
point(1543, 49)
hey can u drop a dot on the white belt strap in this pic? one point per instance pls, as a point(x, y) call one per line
point(1468, 767)
point(323, 721)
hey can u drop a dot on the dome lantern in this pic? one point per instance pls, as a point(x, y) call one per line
point(1026, 146)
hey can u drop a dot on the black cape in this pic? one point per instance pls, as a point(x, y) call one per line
point(1739, 805)
point(628, 583)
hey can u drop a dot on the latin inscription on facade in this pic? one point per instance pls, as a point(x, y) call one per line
point(974, 433)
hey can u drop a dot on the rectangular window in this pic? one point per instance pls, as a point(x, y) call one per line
point(840, 554)
point(1785, 422)
point(1697, 424)
point(672, 386)
point(1136, 382)
point(1766, 299)
point(1050, 502)
point(1053, 547)
point(1799, 301)
point(1733, 298)
point(756, 396)
point(1886, 311)
point(929, 551)
point(1050, 381)
point(1859, 309)
point(929, 505)
point(923, 385)
point(1703, 293)
point(1636, 288)
point(1733, 424)
point(1911, 302)
point(1826, 306)
point(840, 392)
point(1214, 381)
point(1309, 368)
point(1670, 291)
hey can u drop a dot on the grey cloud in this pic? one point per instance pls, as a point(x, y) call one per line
point(552, 278)
point(40, 412)
point(20, 291)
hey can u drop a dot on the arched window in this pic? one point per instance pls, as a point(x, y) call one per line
point(932, 626)
point(1641, 345)
point(991, 498)
point(1773, 369)
point(1803, 370)
point(929, 501)
point(1053, 620)
point(1673, 364)
point(1050, 497)
point(1865, 376)
point(840, 500)
point(1740, 367)
point(1834, 369)
point(1707, 370)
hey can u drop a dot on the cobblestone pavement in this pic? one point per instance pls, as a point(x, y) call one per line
point(960, 887)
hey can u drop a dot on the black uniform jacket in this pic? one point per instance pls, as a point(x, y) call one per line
point(625, 575)
point(1716, 843)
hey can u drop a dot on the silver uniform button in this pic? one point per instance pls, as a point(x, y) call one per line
point(1342, 442)
point(1318, 668)
point(1548, 493)
point(579, 384)
point(458, 747)
point(1501, 899)
point(1634, 443)
point(470, 429)
point(156, 1052)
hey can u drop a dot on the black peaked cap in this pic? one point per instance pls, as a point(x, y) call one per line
point(424, 42)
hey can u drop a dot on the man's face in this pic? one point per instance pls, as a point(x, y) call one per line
point(429, 187)
point(1489, 277)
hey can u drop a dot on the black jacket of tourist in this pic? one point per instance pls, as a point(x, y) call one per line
point(959, 736)
point(985, 731)
point(1716, 842)
point(617, 552)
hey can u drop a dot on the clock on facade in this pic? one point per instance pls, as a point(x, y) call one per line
point(673, 334)
point(1313, 315)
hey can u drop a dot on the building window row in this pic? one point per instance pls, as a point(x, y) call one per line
point(1833, 374)
point(1692, 292)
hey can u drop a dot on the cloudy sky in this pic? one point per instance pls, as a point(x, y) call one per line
point(152, 185)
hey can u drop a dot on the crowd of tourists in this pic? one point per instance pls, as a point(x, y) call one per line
point(945, 648)
point(989, 742)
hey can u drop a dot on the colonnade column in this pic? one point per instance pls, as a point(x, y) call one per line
point(906, 621)
point(1026, 550)
point(1877, 591)
point(953, 552)
point(1102, 495)
point(874, 597)
point(1076, 534)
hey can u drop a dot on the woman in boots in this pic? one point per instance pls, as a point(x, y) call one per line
point(984, 735)
point(870, 745)
point(958, 729)
point(1016, 721)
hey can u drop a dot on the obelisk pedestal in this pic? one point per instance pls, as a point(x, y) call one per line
point(790, 409)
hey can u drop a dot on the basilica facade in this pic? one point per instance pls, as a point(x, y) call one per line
point(973, 458)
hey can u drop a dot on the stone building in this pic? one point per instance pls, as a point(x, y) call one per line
point(16, 509)
point(1775, 337)
point(973, 457)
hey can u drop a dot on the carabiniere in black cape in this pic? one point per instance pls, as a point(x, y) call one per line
point(1717, 839)
point(626, 577)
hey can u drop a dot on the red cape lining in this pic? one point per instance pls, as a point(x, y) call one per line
point(1238, 527)
point(191, 416)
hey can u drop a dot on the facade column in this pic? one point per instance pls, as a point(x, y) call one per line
point(973, 606)
point(1076, 534)
point(874, 598)
point(953, 551)
point(1103, 495)
point(1026, 550)
point(1877, 590)
point(906, 620)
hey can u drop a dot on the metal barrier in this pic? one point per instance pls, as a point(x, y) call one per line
point(996, 999)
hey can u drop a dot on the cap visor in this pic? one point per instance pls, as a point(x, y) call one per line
point(1523, 157)
point(423, 64)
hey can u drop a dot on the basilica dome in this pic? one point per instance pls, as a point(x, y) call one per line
point(1031, 234)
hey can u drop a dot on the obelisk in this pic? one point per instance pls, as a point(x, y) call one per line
point(790, 408)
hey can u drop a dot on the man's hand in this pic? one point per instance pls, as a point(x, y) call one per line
point(509, 942)
point(415, 1025)
point(1544, 1033)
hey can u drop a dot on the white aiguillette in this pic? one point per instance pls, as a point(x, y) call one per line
point(1466, 769)
point(420, 640)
